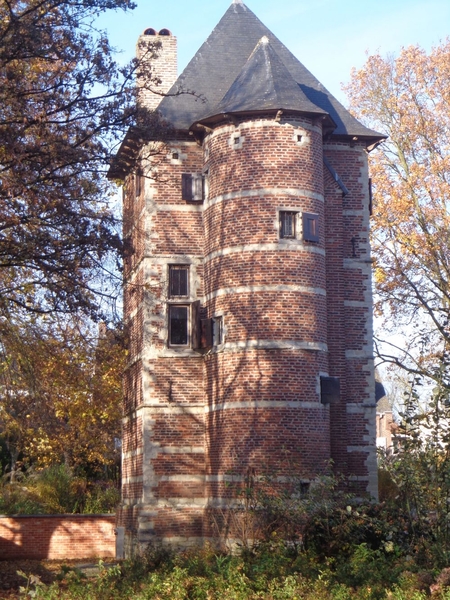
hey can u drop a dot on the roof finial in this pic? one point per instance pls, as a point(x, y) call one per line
point(237, 2)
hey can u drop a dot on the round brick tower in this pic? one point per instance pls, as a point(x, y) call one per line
point(247, 288)
point(265, 283)
point(265, 290)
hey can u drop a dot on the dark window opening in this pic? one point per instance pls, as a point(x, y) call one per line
point(178, 281)
point(299, 138)
point(287, 224)
point(193, 187)
point(330, 390)
point(175, 155)
point(138, 183)
point(310, 227)
point(178, 325)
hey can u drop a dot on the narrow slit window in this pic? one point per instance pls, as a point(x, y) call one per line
point(178, 281)
point(138, 183)
point(287, 224)
point(178, 325)
point(218, 330)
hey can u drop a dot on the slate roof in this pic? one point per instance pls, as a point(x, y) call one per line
point(242, 67)
point(228, 54)
point(265, 84)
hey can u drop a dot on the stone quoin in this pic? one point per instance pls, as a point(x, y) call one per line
point(247, 276)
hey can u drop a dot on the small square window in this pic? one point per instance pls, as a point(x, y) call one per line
point(287, 224)
point(310, 223)
point(178, 281)
point(178, 325)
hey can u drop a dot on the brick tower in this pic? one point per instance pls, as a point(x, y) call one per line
point(247, 285)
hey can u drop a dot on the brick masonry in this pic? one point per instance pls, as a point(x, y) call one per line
point(292, 311)
point(56, 537)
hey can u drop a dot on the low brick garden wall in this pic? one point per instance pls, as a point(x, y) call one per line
point(57, 537)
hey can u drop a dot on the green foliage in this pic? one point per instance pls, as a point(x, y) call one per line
point(419, 472)
point(206, 575)
point(56, 490)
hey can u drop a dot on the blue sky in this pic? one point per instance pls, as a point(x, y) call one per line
point(328, 36)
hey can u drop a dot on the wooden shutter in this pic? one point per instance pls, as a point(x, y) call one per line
point(330, 390)
point(195, 325)
point(206, 333)
point(310, 223)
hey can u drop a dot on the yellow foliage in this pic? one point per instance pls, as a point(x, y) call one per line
point(408, 98)
point(59, 405)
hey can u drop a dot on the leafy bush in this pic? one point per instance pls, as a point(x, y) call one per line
point(56, 490)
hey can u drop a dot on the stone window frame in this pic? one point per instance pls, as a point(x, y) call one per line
point(176, 298)
point(194, 187)
point(305, 225)
point(173, 283)
point(171, 308)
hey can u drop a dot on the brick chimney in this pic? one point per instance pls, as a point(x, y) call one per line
point(157, 54)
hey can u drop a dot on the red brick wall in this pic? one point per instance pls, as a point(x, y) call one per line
point(263, 400)
point(292, 312)
point(57, 537)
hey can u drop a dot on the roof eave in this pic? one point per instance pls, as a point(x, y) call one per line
point(125, 158)
point(370, 141)
point(233, 117)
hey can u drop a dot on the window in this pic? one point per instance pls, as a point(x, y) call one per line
point(217, 331)
point(287, 224)
point(310, 223)
point(178, 281)
point(330, 390)
point(193, 187)
point(178, 325)
point(138, 183)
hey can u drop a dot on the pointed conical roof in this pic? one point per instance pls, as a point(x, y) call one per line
point(264, 83)
point(210, 75)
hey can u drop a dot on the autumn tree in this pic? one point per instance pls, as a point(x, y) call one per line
point(60, 394)
point(64, 104)
point(408, 98)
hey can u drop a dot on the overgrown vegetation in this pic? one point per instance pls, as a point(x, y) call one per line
point(57, 490)
point(273, 570)
point(319, 543)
